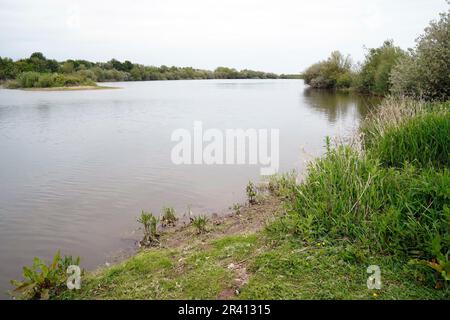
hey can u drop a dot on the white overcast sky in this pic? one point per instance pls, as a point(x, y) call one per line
point(273, 35)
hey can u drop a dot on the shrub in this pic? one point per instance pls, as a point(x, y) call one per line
point(43, 281)
point(12, 84)
point(374, 76)
point(344, 80)
point(87, 75)
point(424, 73)
point(49, 80)
point(333, 73)
point(7, 69)
point(28, 79)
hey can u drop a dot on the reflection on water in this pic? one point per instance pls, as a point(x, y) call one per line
point(336, 105)
point(77, 167)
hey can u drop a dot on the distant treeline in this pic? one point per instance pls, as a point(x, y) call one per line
point(38, 71)
point(422, 72)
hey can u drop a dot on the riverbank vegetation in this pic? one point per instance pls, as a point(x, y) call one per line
point(421, 72)
point(32, 79)
point(39, 72)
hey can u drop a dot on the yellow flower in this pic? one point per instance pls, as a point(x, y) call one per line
point(375, 295)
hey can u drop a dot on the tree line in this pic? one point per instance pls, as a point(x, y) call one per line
point(38, 71)
point(422, 72)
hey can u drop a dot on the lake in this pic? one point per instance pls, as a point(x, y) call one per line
point(77, 167)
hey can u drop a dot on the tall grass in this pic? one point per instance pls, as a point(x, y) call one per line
point(393, 197)
point(409, 131)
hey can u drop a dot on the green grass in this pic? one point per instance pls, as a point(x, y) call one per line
point(195, 273)
point(422, 141)
point(349, 195)
point(329, 272)
point(276, 270)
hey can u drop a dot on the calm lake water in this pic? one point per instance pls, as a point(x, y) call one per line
point(76, 168)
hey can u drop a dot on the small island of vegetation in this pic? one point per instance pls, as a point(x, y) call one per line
point(39, 72)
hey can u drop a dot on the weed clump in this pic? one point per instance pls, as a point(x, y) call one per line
point(150, 224)
point(199, 223)
point(169, 216)
point(44, 281)
point(251, 193)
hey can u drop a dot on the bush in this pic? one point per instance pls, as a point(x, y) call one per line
point(43, 281)
point(344, 80)
point(330, 74)
point(374, 76)
point(28, 79)
point(12, 84)
point(48, 80)
point(424, 72)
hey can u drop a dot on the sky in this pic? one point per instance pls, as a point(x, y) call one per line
point(282, 36)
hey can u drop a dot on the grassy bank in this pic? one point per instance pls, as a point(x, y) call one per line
point(382, 200)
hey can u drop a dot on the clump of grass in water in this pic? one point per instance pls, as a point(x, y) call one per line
point(199, 223)
point(251, 193)
point(169, 216)
point(150, 224)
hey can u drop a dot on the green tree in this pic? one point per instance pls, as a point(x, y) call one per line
point(425, 71)
point(7, 69)
point(68, 67)
point(335, 72)
point(374, 76)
